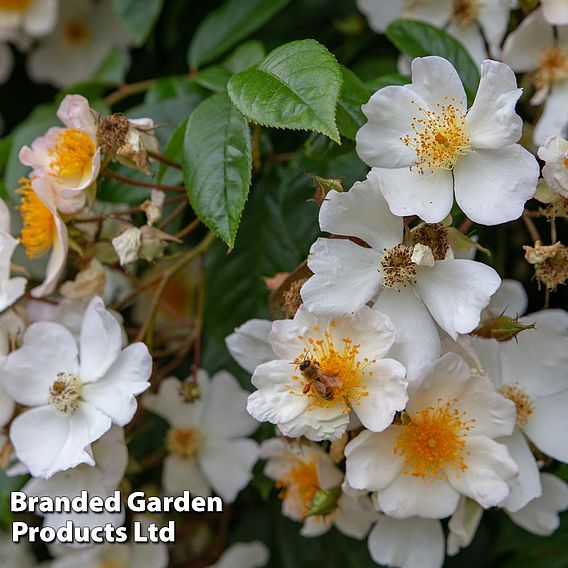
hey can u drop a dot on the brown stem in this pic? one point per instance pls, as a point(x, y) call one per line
point(125, 91)
point(465, 226)
point(531, 227)
point(164, 160)
point(173, 214)
point(189, 229)
point(140, 183)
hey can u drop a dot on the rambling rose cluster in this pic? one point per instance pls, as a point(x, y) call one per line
point(399, 395)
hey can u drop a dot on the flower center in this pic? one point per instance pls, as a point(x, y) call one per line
point(65, 393)
point(433, 439)
point(440, 137)
point(332, 374)
point(397, 266)
point(522, 400)
point(76, 32)
point(38, 225)
point(434, 236)
point(553, 67)
point(464, 12)
point(298, 486)
point(72, 154)
point(184, 442)
point(14, 5)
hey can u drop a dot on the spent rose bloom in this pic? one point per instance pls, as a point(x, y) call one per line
point(417, 282)
point(425, 145)
point(69, 158)
point(537, 47)
point(74, 390)
point(443, 447)
point(43, 231)
point(472, 22)
point(554, 151)
point(325, 368)
point(207, 441)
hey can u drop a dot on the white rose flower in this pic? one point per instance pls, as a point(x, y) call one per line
point(325, 369)
point(471, 22)
point(531, 372)
point(111, 458)
point(207, 442)
point(302, 471)
point(426, 145)
point(540, 516)
point(84, 35)
point(31, 17)
point(416, 284)
point(463, 525)
point(243, 555)
point(443, 447)
point(555, 11)
point(75, 391)
point(249, 344)
point(554, 151)
point(535, 47)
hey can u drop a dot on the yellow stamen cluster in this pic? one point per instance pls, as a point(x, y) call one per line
point(184, 441)
point(440, 137)
point(397, 267)
point(339, 369)
point(522, 400)
point(14, 5)
point(464, 12)
point(433, 438)
point(72, 154)
point(76, 32)
point(553, 67)
point(38, 224)
point(298, 486)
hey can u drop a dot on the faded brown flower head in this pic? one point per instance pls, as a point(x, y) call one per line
point(550, 263)
point(433, 235)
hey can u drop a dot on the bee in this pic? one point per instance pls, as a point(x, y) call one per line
point(324, 384)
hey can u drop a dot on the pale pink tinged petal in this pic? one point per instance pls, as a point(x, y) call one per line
point(409, 496)
point(540, 516)
point(114, 393)
point(273, 401)
point(524, 46)
point(249, 345)
point(548, 425)
point(100, 342)
point(489, 467)
point(555, 12)
point(371, 462)
point(436, 81)
point(536, 362)
point(446, 379)
point(492, 186)
point(225, 414)
point(470, 36)
point(380, 14)
point(48, 348)
point(228, 464)
point(170, 405)
point(181, 475)
point(428, 195)
point(526, 486)
point(48, 443)
point(390, 112)
point(387, 395)
point(417, 340)
point(315, 526)
point(554, 119)
point(346, 276)
point(494, 18)
point(362, 212)
point(493, 413)
point(492, 121)
point(456, 291)
point(510, 299)
point(407, 543)
point(75, 112)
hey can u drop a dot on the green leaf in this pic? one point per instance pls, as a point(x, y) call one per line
point(229, 24)
point(214, 78)
point(217, 165)
point(245, 56)
point(354, 93)
point(387, 80)
point(113, 68)
point(138, 16)
point(173, 151)
point(418, 39)
point(296, 87)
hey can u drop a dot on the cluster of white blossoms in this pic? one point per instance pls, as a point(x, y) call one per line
point(68, 40)
point(394, 353)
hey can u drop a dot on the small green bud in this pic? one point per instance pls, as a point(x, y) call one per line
point(324, 502)
point(502, 328)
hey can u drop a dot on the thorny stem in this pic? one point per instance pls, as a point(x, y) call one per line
point(125, 91)
point(140, 183)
